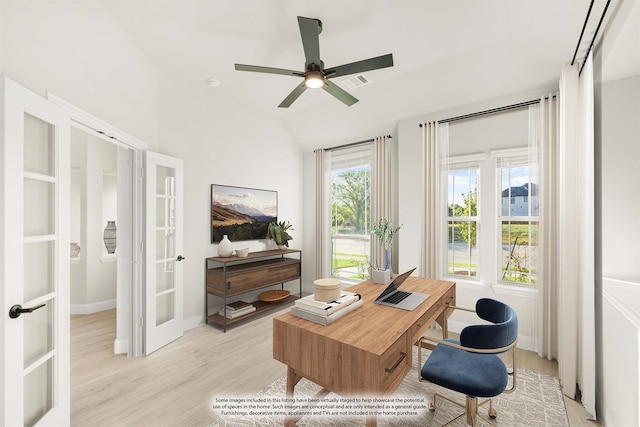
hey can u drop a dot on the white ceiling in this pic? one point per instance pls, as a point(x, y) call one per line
point(446, 53)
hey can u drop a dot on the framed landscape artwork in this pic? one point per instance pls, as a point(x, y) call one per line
point(241, 213)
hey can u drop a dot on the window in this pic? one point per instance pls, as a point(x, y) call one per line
point(351, 212)
point(518, 220)
point(462, 222)
point(492, 222)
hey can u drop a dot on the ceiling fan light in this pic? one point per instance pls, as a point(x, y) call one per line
point(314, 79)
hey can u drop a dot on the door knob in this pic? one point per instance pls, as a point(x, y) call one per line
point(17, 310)
point(180, 258)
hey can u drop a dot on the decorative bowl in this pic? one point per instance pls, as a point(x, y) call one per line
point(275, 295)
point(242, 253)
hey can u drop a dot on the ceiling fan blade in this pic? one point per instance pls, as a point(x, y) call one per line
point(286, 103)
point(383, 61)
point(309, 31)
point(339, 93)
point(269, 70)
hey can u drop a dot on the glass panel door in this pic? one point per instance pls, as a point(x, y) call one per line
point(163, 317)
point(36, 230)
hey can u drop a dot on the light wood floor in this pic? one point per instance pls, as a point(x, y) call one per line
point(175, 385)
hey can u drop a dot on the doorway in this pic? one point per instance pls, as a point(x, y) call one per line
point(126, 173)
point(93, 271)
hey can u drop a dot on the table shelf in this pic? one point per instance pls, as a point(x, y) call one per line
point(231, 276)
point(261, 307)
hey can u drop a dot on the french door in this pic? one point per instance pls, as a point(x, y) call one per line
point(35, 259)
point(164, 259)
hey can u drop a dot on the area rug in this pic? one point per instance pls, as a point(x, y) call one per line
point(537, 401)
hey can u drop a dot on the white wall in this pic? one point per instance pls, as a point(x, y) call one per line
point(619, 138)
point(618, 250)
point(76, 51)
point(224, 141)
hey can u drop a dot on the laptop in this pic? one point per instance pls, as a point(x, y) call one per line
point(393, 297)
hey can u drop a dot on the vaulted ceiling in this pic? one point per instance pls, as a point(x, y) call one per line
point(446, 53)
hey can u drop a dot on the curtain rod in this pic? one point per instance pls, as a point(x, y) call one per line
point(604, 12)
point(491, 111)
point(351, 144)
point(584, 26)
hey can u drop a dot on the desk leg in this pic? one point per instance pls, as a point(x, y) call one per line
point(292, 380)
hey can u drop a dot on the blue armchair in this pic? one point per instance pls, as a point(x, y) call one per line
point(472, 365)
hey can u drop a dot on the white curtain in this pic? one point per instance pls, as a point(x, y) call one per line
point(380, 190)
point(435, 150)
point(543, 137)
point(320, 215)
point(566, 326)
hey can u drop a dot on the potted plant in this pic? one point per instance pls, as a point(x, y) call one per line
point(385, 232)
point(278, 231)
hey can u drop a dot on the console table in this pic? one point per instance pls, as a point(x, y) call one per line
point(231, 276)
point(368, 351)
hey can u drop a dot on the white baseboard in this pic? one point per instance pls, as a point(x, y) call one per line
point(93, 307)
point(192, 322)
point(121, 346)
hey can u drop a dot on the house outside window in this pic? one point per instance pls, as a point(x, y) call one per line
point(496, 244)
point(518, 219)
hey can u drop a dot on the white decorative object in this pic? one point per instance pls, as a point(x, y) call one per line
point(109, 237)
point(380, 276)
point(326, 290)
point(225, 248)
point(242, 253)
point(75, 249)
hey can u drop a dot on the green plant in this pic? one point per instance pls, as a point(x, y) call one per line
point(278, 231)
point(385, 232)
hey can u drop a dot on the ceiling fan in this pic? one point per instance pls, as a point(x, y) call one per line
point(315, 75)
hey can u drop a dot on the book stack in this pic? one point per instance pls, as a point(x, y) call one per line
point(237, 309)
point(326, 312)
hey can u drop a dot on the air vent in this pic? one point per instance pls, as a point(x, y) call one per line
point(355, 81)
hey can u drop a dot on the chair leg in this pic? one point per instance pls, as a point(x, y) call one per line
point(493, 414)
point(432, 406)
point(472, 410)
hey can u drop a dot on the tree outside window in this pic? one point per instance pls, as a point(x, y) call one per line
point(350, 220)
point(463, 222)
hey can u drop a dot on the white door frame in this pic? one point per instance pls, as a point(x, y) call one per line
point(129, 332)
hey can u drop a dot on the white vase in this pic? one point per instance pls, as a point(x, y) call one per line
point(225, 248)
point(380, 276)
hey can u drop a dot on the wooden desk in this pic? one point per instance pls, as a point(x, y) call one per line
point(368, 351)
